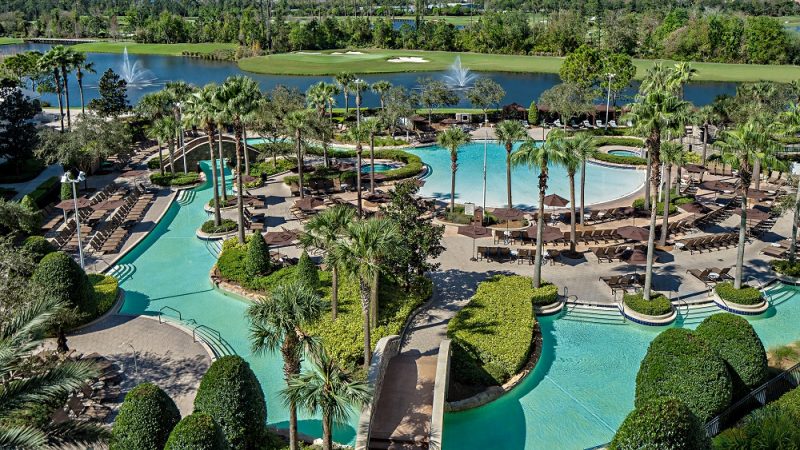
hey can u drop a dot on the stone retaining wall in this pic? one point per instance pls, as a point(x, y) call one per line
point(440, 385)
point(386, 349)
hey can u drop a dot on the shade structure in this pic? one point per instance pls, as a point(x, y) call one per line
point(753, 213)
point(109, 205)
point(716, 185)
point(638, 258)
point(474, 231)
point(695, 207)
point(507, 213)
point(83, 202)
point(555, 200)
point(694, 168)
point(633, 233)
point(280, 238)
point(549, 234)
point(309, 203)
point(135, 173)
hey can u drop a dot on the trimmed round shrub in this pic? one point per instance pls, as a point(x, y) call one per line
point(545, 295)
point(38, 246)
point(66, 191)
point(657, 305)
point(307, 271)
point(197, 431)
point(29, 203)
point(59, 276)
point(533, 113)
point(737, 343)
point(257, 261)
point(230, 393)
point(745, 296)
point(681, 365)
point(662, 423)
point(225, 226)
point(145, 419)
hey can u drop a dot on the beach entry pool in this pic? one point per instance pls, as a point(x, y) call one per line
point(624, 153)
point(603, 183)
point(583, 385)
point(169, 271)
point(379, 167)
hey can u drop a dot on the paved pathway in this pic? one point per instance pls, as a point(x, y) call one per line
point(27, 187)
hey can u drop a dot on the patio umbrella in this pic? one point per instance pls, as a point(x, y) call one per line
point(549, 234)
point(280, 238)
point(507, 214)
point(716, 185)
point(753, 214)
point(109, 205)
point(309, 203)
point(555, 200)
point(638, 258)
point(83, 202)
point(694, 168)
point(758, 195)
point(475, 232)
point(695, 208)
point(633, 233)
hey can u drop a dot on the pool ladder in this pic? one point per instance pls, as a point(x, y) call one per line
point(200, 333)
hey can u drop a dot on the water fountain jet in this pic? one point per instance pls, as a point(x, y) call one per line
point(134, 74)
point(459, 77)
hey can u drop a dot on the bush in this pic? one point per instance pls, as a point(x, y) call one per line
point(307, 271)
point(771, 427)
point(638, 205)
point(656, 306)
point(224, 226)
point(38, 246)
point(230, 393)
point(735, 340)
point(59, 276)
point(106, 288)
point(533, 113)
point(413, 163)
point(145, 419)
point(492, 335)
point(46, 192)
point(230, 201)
point(545, 295)
point(784, 267)
point(681, 365)
point(662, 423)
point(622, 141)
point(179, 179)
point(745, 296)
point(257, 261)
point(197, 431)
point(154, 164)
point(28, 203)
point(619, 159)
point(66, 191)
point(458, 216)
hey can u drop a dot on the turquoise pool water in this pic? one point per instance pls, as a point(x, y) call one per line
point(171, 269)
point(379, 167)
point(603, 183)
point(623, 153)
point(583, 386)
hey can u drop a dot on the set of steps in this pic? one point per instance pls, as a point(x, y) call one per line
point(122, 272)
point(186, 197)
point(595, 314)
point(214, 247)
point(692, 315)
point(211, 337)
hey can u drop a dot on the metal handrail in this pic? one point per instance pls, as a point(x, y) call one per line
point(194, 330)
point(761, 288)
point(161, 312)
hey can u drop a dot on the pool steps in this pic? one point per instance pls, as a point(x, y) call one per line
point(186, 196)
point(688, 314)
point(122, 272)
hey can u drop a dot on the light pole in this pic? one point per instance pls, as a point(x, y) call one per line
point(66, 178)
point(608, 100)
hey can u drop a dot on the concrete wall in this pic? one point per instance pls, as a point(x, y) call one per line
point(440, 394)
point(386, 349)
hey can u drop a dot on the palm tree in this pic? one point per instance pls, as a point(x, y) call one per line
point(373, 127)
point(161, 130)
point(452, 139)
point(381, 87)
point(316, 97)
point(178, 92)
point(574, 154)
point(201, 110)
point(366, 244)
point(24, 386)
point(584, 148)
point(328, 389)
point(358, 135)
point(236, 98)
point(81, 66)
point(508, 132)
point(358, 87)
point(48, 63)
point(672, 153)
point(742, 147)
point(539, 157)
point(706, 116)
point(298, 123)
point(322, 232)
point(278, 322)
point(789, 123)
point(345, 80)
point(683, 72)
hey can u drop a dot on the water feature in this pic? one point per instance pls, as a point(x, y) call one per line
point(134, 74)
point(459, 77)
point(623, 153)
point(379, 167)
point(607, 183)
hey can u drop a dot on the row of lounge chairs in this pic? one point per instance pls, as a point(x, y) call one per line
point(606, 215)
point(713, 242)
point(112, 232)
point(779, 249)
point(625, 283)
point(711, 276)
point(588, 125)
point(610, 253)
point(521, 255)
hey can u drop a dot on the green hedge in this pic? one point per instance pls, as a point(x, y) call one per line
point(154, 164)
point(145, 419)
point(681, 365)
point(106, 288)
point(626, 141)
point(656, 306)
point(257, 261)
point(197, 431)
point(232, 265)
point(735, 340)
point(47, 192)
point(745, 296)
point(784, 267)
point(492, 335)
point(545, 295)
point(638, 205)
point(231, 201)
point(413, 163)
point(59, 276)
point(619, 159)
point(266, 168)
point(224, 226)
point(230, 393)
point(662, 423)
point(458, 216)
point(38, 246)
point(774, 426)
point(179, 179)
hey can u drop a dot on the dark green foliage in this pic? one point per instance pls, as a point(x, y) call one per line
point(773, 427)
point(59, 276)
point(197, 431)
point(307, 271)
point(29, 203)
point(784, 267)
point(230, 393)
point(545, 295)
point(177, 179)
point(145, 419)
point(106, 289)
point(744, 296)
point(735, 340)
point(113, 99)
point(232, 265)
point(661, 423)
point(19, 171)
point(622, 141)
point(619, 159)
point(46, 192)
point(224, 226)
point(681, 365)
point(413, 163)
point(18, 136)
point(258, 261)
point(656, 306)
point(638, 204)
point(38, 246)
point(533, 113)
point(66, 191)
point(154, 163)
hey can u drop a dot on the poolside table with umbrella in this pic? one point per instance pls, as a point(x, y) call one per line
point(280, 238)
point(632, 233)
point(507, 214)
point(475, 232)
point(309, 203)
point(549, 234)
point(555, 201)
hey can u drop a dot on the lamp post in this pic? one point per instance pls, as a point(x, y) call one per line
point(608, 99)
point(67, 178)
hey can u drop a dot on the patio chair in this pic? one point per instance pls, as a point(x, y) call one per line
point(587, 124)
point(701, 275)
point(612, 123)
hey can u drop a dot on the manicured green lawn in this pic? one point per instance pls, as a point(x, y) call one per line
point(376, 61)
point(9, 40)
point(152, 49)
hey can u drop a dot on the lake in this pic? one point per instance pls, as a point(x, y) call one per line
point(519, 87)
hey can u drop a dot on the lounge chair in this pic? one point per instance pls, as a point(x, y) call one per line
point(587, 124)
point(701, 275)
point(612, 123)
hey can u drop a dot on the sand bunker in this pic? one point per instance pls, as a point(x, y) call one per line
point(308, 53)
point(347, 53)
point(407, 59)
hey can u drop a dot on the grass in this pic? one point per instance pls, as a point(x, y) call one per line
point(9, 40)
point(375, 61)
point(135, 48)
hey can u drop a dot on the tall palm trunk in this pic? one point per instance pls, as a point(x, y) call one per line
point(705, 143)
point(300, 163)
point(665, 219)
point(346, 102)
point(80, 89)
point(537, 271)
point(508, 173)
point(171, 144)
point(224, 187)
point(583, 188)
point(737, 281)
point(756, 174)
point(795, 218)
point(327, 438)
point(373, 301)
point(647, 176)
point(359, 150)
point(160, 158)
point(214, 182)
point(363, 288)
point(66, 96)
point(651, 247)
point(372, 163)
point(358, 107)
point(57, 79)
point(246, 153)
point(291, 367)
point(334, 291)
point(572, 232)
point(453, 169)
point(237, 133)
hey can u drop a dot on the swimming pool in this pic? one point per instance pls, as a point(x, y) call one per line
point(602, 183)
point(379, 167)
point(171, 268)
point(624, 153)
point(583, 385)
